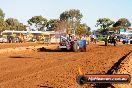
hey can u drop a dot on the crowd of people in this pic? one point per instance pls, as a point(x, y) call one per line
point(89, 38)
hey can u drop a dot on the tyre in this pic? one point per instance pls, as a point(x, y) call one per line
point(114, 43)
point(123, 42)
point(63, 49)
point(83, 49)
point(106, 43)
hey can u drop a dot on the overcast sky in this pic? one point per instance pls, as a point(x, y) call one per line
point(91, 9)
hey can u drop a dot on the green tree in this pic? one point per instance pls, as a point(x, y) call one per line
point(39, 22)
point(72, 14)
point(57, 25)
point(2, 14)
point(2, 22)
point(53, 24)
point(82, 29)
point(3, 25)
point(10, 23)
point(123, 22)
point(104, 24)
point(14, 24)
point(21, 27)
point(64, 16)
point(71, 18)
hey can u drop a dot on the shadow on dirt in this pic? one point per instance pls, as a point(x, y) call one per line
point(19, 57)
point(114, 68)
point(107, 45)
point(46, 87)
point(52, 50)
point(102, 45)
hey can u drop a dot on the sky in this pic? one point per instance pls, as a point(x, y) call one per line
point(51, 9)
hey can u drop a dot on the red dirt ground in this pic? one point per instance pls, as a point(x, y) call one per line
point(15, 45)
point(125, 68)
point(32, 69)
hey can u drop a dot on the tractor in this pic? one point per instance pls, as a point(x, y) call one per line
point(71, 43)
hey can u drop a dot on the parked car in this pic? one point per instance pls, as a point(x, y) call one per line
point(127, 41)
point(3, 40)
point(130, 41)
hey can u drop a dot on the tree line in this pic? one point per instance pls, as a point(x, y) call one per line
point(10, 23)
point(106, 24)
point(69, 21)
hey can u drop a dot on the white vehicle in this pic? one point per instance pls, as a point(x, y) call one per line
point(3, 40)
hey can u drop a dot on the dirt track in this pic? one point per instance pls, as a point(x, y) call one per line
point(125, 68)
point(32, 69)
